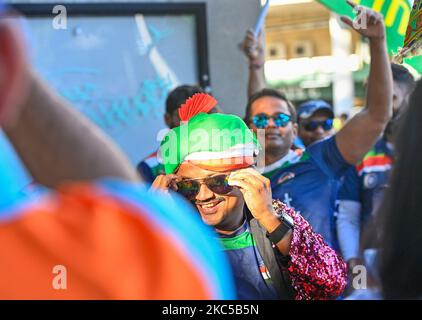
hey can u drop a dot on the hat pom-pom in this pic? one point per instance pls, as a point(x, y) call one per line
point(199, 102)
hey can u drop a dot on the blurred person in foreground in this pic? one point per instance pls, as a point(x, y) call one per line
point(396, 231)
point(309, 180)
point(400, 214)
point(273, 251)
point(89, 238)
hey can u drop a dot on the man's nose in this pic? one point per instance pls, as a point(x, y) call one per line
point(319, 130)
point(271, 123)
point(204, 193)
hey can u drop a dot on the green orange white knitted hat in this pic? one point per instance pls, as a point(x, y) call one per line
point(217, 142)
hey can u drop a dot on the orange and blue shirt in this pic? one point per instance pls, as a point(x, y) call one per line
point(115, 241)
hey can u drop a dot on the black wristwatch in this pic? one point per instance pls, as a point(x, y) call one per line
point(285, 226)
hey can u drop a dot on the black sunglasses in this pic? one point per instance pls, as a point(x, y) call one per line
point(280, 120)
point(313, 125)
point(189, 188)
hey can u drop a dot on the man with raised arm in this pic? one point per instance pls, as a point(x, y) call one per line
point(309, 180)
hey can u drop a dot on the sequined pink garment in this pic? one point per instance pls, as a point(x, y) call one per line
point(316, 271)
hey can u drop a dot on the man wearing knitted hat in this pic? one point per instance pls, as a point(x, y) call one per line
point(273, 251)
point(309, 181)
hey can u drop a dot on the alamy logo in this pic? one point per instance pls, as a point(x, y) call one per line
point(60, 280)
point(359, 277)
point(60, 20)
point(360, 22)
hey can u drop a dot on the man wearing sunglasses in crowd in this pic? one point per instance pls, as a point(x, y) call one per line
point(273, 251)
point(315, 119)
point(309, 181)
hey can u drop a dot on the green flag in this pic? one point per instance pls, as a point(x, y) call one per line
point(396, 18)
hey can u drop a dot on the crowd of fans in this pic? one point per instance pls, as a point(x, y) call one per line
point(198, 218)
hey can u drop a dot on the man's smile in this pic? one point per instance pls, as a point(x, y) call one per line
point(209, 207)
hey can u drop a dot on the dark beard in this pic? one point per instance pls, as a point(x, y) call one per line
point(392, 126)
point(389, 130)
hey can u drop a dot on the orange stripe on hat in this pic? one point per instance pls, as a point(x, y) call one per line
point(227, 164)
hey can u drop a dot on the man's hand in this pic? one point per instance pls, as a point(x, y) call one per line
point(164, 183)
point(253, 48)
point(256, 190)
point(369, 23)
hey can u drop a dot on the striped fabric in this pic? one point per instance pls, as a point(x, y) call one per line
point(223, 165)
point(374, 162)
point(293, 157)
point(237, 157)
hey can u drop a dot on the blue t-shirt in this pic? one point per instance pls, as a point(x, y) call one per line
point(367, 182)
point(310, 184)
point(252, 279)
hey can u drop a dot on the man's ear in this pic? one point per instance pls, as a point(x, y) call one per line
point(295, 129)
point(13, 71)
point(168, 120)
point(395, 98)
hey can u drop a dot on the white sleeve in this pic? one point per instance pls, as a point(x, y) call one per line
point(348, 228)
